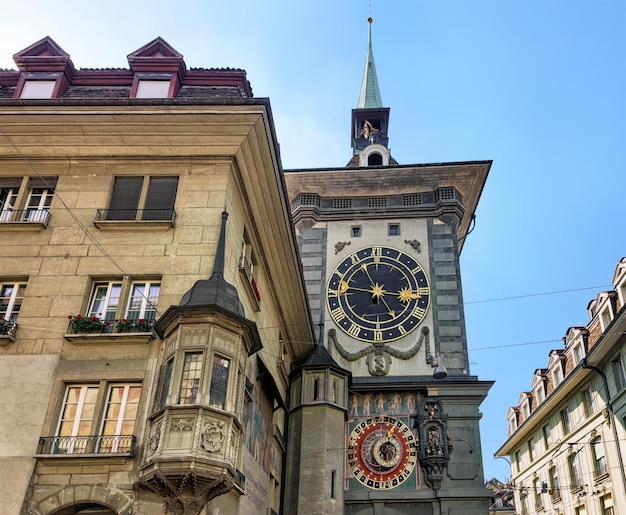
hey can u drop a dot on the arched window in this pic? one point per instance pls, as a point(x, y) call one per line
point(375, 160)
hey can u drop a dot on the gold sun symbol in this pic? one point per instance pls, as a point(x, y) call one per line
point(406, 294)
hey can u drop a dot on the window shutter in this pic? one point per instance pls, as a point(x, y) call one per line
point(125, 198)
point(161, 197)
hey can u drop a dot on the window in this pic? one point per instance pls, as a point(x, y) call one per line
point(565, 421)
point(105, 301)
point(82, 407)
point(618, 373)
point(546, 435)
point(518, 461)
point(374, 159)
point(555, 493)
point(538, 490)
point(37, 205)
point(190, 380)
point(153, 89)
point(11, 297)
point(558, 375)
point(77, 417)
point(574, 470)
point(26, 199)
point(355, 231)
point(394, 229)
point(540, 395)
point(523, 501)
point(38, 88)
point(130, 202)
point(578, 353)
point(8, 199)
point(219, 382)
point(599, 456)
point(589, 404)
point(606, 504)
point(531, 449)
point(143, 301)
point(167, 379)
point(136, 315)
point(119, 418)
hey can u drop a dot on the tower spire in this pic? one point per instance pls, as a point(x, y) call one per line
point(370, 93)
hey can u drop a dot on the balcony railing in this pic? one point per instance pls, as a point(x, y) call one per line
point(34, 216)
point(95, 325)
point(100, 444)
point(7, 328)
point(136, 215)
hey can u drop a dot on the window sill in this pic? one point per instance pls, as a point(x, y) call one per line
point(133, 225)
point(22, 226)
point(600, 478)
point(116, 338)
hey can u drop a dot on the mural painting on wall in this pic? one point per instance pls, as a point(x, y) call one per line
point(258, 424)
point(369, 403)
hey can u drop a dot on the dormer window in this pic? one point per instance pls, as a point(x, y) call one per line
point(148, 88)
point(34, 88)
point(375, 160)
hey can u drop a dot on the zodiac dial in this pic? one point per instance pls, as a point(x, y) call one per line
point(378, 294)
point(382, 452)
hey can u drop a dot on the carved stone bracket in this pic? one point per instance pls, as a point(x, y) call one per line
point(434, 443)
point(379, 353)
point(184, 494)
point(415, 244)
point(339, 246)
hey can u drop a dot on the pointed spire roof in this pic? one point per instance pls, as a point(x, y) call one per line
point(215, 291)
point(370, 93)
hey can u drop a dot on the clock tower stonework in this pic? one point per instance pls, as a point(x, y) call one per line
point(380, 245)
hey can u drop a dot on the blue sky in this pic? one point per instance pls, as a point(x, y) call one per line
point(538, 86)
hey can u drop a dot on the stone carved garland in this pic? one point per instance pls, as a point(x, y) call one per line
point(379, 353)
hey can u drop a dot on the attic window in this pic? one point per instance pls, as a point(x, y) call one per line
point(375, 159)
point(153, 88)
point(38, 88)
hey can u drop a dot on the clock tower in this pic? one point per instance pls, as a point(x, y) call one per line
point(380, 245)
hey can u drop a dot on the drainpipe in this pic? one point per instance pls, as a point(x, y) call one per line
point(584, 364)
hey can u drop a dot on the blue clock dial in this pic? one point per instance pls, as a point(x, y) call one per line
point(378, 294)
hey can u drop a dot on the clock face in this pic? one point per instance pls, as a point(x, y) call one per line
point(382, 452)
point(378, 294)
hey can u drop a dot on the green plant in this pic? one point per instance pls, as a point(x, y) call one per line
point(80, 324)
point(140, 325)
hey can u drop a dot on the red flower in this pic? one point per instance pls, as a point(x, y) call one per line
point(78, 317)
point(94, 319)
point(141, 320)
point(69, 317)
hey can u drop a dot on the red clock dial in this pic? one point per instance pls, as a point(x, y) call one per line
point(382, 452)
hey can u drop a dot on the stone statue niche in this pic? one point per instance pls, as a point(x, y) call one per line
point(434, 442)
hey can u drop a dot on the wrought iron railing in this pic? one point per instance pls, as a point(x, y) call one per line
point(40, 216)
point(100, 444)
point(95, 325)
point(135, 215)
point(240, 481)
point(8, 328)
